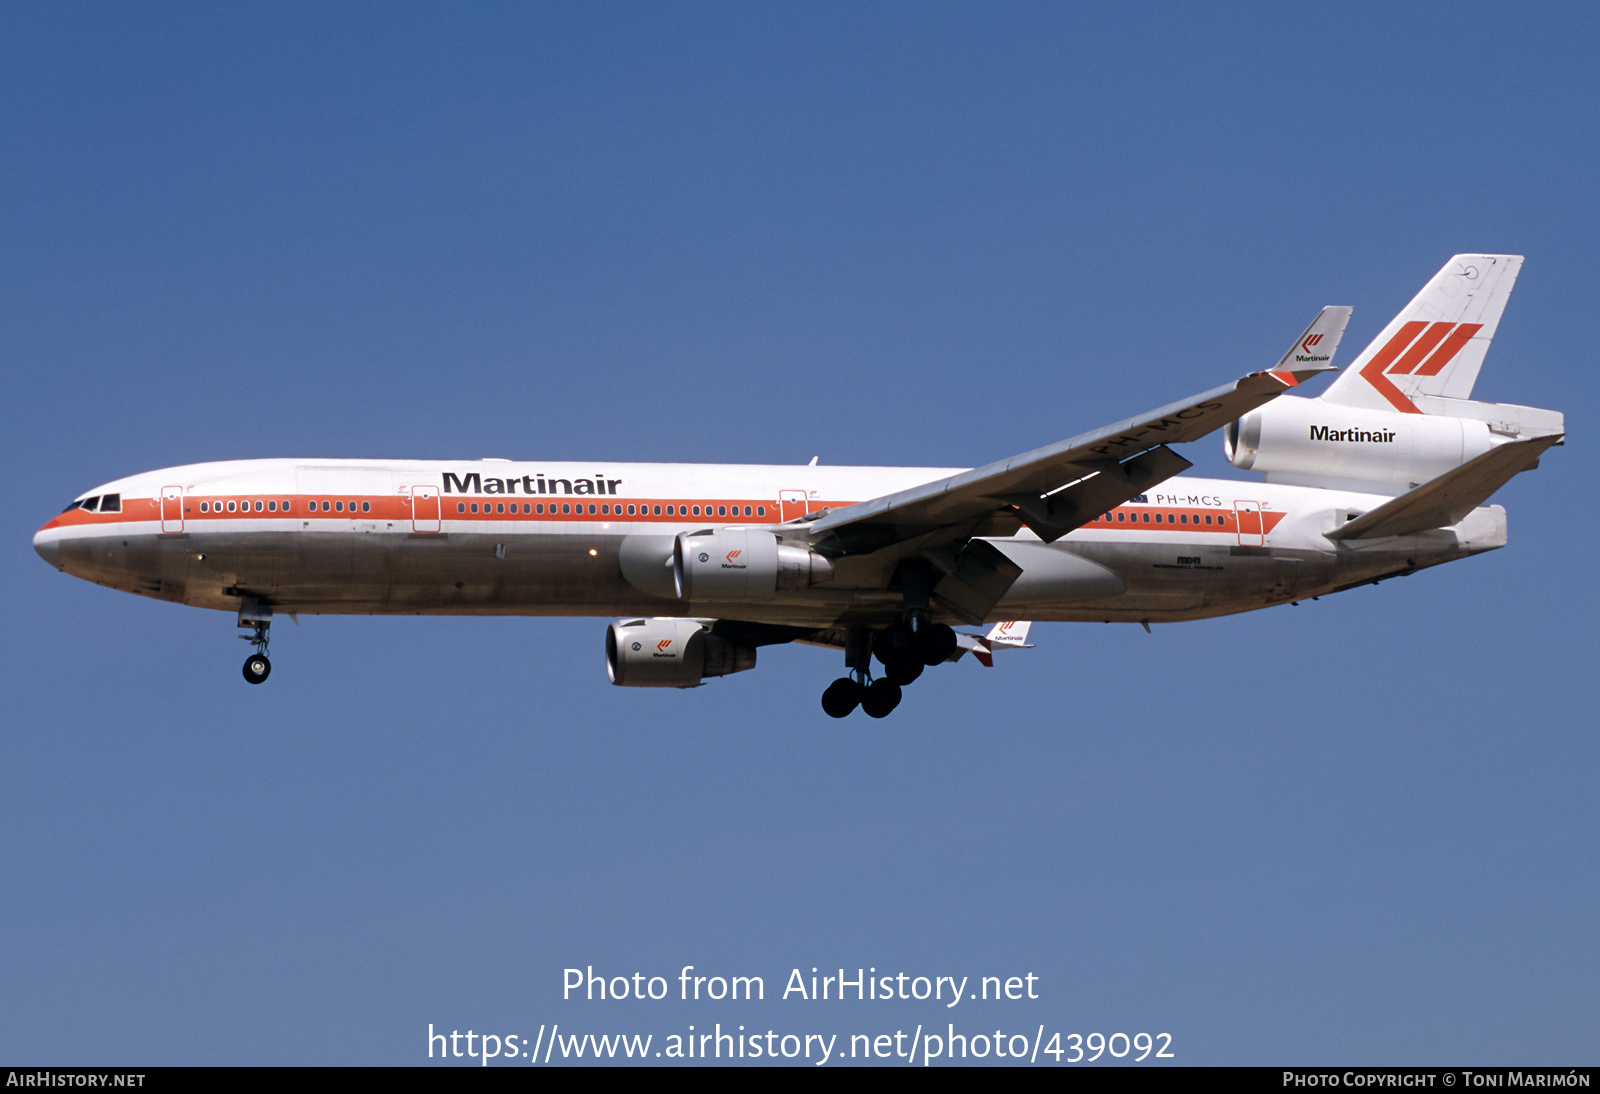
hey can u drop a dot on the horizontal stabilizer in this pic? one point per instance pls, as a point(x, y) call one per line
point(1445, 500)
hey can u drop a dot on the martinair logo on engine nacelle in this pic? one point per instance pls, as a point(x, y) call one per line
point(661, 646)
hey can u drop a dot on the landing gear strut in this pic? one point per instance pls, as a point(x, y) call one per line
point(258, 617)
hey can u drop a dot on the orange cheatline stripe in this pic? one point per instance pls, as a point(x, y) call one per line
point(1372, 372)
point(1452, 346)
point(1417, 352)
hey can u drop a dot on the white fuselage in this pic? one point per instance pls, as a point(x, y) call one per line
point(493, 537)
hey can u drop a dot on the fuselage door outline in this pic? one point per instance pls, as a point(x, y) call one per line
point(172, 508)
point(1247, 515)
point(792, 505)
point(425, 509)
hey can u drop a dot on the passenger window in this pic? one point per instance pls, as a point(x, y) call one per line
point(747, 510)
point(326, 506)
point(630, 510)
point(338, 507)
point(1158, 518)
point(461, 507)
point(539, 508)
point(527, 508)
point(474, 507)
point(1222, 520)
point(259, 506)
point(205, 507)
point(1183, 518)
point(1147, 518)
point(761, 510)
point(669, 510)
point(230, 507)
point(658, 510)
point(722, 510)
point(284, 506)
point(697, 510)
point(272, 507)
point(591, 509)
point(1122, 518)
point(366, 506)
point(566, 507)
point(500, 507)
point(1208, 519)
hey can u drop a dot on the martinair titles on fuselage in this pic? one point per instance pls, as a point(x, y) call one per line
point(474, 482)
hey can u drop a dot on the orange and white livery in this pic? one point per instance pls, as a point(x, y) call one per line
point(1385, 473)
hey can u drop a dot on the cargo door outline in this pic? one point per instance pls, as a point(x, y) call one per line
point(172, 508)
point(425, 516)
point(792, 505)
point(1247, 515)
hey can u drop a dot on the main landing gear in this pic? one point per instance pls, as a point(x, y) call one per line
point(904, 649)
point(258, 617)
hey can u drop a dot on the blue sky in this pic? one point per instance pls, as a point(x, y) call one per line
point(1359, 830)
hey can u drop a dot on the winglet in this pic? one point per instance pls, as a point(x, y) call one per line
point(1011, 635)
point(1313, 351)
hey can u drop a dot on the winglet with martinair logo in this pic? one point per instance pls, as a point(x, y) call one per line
point(1313, 351)
point(1010, 635)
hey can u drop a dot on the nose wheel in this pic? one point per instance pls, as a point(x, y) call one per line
point(257, 668)
point(258, 617)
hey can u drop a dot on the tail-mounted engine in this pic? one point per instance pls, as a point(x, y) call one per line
point(670, 653)
point(1294, 440)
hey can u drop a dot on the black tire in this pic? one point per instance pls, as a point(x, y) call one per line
point(257, 668)
point(894, 642)
point(841, 697)
point(881, 698)
point(935, 643)
point(903, 670)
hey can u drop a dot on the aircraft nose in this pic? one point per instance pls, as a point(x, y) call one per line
point(48, 544)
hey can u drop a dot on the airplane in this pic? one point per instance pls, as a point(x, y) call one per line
point(1384, 474)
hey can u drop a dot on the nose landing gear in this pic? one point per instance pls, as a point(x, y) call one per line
point(258, 617)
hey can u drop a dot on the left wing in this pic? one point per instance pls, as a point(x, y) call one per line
point(1056, 488)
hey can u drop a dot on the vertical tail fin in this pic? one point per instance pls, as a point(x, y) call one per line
point(1436, 345)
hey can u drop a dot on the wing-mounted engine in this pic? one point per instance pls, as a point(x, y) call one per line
point(670, 653)
point(742, 564)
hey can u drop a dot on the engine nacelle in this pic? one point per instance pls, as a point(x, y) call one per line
point(670, 653)
point(1291, 438)
point(736, 564)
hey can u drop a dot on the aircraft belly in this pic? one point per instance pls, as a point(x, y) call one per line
point(405, 573)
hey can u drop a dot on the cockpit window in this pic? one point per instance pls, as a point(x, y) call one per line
point(111, 503)
point(90, 504)
point(71, 507)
